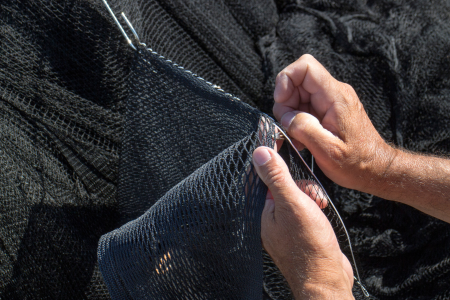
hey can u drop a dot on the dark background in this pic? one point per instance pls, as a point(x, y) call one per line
point(63, 85)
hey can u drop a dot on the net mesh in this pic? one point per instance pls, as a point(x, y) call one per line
point(211, 219)
point(64, 72)
point(60, 122)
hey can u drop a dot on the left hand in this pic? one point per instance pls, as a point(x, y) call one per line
point(298, 236)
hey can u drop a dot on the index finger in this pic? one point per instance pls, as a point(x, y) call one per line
point(304, 82)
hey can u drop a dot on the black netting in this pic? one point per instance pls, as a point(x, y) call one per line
point(199, 241)
point(206, 227)
point(62, 89)
point(64, 74)
point(175, 123)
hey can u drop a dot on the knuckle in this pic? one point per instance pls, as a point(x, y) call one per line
point(278, 76)
point(350, 94)
point(302, 123)
point(276, 177)
point(307, 57)
point(337, 154)
point(348, 87)
point(328, 81)
point(347, 90)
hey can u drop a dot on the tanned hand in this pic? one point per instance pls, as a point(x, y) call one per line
point(298, 236)
point(327, 117)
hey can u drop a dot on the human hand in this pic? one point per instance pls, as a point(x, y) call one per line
point(298, 236)
point(327, 117)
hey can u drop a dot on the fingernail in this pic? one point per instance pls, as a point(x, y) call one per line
point(286, 119)
point(280, 86)
point(261, 156)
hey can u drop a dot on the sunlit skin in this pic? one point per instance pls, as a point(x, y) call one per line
point(298, 236)
point(327, 117)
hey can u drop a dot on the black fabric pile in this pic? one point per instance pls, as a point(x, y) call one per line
point(67, 78)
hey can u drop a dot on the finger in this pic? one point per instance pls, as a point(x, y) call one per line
point(299, 146)
point(290, 104)
point(284, 88)
point(314, 191)
point(279, 110)
point(269, 207)
point(307, 129)
point(305, 97)
point(308, 79)
point(274, 172)
point(308, 73)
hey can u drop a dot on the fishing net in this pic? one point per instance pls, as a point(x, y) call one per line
point(68, 81)
point(199, 218)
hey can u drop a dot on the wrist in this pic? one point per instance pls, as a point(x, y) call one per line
point(321, 291)
point(377, 179)
point(319, 282)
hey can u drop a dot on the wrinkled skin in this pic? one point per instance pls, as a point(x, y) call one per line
point(327, 117)
point(298, 236)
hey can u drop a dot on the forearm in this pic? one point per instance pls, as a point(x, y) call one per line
point(320, 291)
point(422, 182)
point(316, 278)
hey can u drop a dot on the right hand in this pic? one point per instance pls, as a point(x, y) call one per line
point(327, 117)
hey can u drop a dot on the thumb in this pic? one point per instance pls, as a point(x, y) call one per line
point(274, 172)
point(288, 211)
point(284, 196)
point(306, 129)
